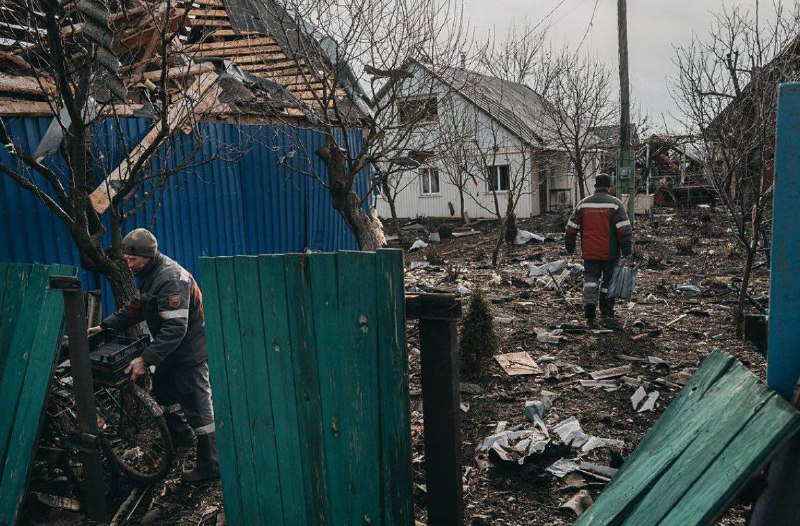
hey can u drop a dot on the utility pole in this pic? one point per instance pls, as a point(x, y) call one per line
point(626, 164)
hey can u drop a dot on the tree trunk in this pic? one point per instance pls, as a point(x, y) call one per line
point(463, 210)
point(748, 268)
point(122, 285)
point(344, 199)
point(500, 237)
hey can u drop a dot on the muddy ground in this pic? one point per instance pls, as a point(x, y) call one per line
point(675, 248)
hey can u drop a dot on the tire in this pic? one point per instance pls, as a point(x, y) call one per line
point(134, 435)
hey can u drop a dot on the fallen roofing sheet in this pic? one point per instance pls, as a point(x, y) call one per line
point(722, 427)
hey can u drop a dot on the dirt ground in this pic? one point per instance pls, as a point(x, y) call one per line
point(676, 248)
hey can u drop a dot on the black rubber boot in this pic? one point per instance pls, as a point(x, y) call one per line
point(206, 468)
point(180, 430)
point(591, 313)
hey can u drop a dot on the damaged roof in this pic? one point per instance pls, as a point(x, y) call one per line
point(262, 73)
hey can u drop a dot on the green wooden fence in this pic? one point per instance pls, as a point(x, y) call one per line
point(720, 430)
point(31, 323)
point(309, 374)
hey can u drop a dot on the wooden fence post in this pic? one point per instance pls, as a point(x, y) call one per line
point(438, 332)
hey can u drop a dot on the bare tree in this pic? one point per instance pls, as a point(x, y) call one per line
point(726, 87)
point(64, 55)
point(577, 91)
point(346, 60)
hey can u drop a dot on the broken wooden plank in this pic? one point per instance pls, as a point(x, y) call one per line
point(190, 70)
point(200, 97)
point(611, 373)
point(720, 429)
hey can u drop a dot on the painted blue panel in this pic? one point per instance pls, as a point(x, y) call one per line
point(249, 203)
point(783, 368)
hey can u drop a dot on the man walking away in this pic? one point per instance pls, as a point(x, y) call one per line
point(171, 304)
point(605, 233)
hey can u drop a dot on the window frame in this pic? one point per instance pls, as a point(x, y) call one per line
point(495, 177)
point(429, 171)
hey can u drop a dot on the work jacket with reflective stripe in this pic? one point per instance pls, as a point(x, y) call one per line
point(171, 304)
point(604, 227)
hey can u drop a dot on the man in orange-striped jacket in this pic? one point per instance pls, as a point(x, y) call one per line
point(605, 233)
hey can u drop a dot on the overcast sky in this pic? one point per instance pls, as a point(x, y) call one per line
point(654, 27)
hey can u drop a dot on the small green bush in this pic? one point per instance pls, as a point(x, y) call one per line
point(478, 337)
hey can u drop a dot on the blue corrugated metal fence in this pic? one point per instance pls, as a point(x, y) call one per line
point(252, 202)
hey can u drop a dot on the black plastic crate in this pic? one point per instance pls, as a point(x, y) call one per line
point(110, 354)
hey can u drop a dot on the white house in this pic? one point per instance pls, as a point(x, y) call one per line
point(483, 134)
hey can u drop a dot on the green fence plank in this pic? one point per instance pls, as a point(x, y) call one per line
point(13, 379)
point(681, 429)
point(359, 425)
point(229, 467)
point(333, 375)
point(734, 467)
point(17, 282)
point(395, 419)
point(718, 425)
point(310, 353)
point(722, 427)
point(311, 440)
point(254, 363)
point(282, 389)
point(237, 388)
point(41, 358)
point(713, 367)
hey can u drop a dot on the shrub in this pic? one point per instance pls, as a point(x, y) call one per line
point(478, 337)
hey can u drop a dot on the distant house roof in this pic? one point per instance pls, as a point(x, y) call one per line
point(515, 106)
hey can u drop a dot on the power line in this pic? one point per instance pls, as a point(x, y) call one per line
point(591, 23)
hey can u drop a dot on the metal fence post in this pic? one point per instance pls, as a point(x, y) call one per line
point(779, 504)
point(438, 333)
point(83, 387)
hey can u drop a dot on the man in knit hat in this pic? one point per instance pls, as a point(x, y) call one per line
point(171, 304)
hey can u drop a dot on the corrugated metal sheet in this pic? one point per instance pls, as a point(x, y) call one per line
point(251, 205)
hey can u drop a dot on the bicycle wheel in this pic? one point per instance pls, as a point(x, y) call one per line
point(134, 433)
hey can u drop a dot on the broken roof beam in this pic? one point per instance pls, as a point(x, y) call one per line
point(232, 44)
point(189, 70)
point(25, 85)
point(200, 97)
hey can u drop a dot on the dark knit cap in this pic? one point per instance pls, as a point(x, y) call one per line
point(602, 181)
point(140, 242)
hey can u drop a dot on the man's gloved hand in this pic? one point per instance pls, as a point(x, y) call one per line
point(136, 368)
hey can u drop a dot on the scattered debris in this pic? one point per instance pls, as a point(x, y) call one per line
point(54, 501)
point(643, 401)
point(418, 244)
point(555, 336)
point(692, 289)
point(579, 503)
point(523, 237)
point(464, 234)
point(518, 363)
point(611, 373)
point(608, 385)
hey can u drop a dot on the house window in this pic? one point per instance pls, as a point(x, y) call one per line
point(499, 179)
point(412, 111)
point(430, 180)
point(560, 199)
